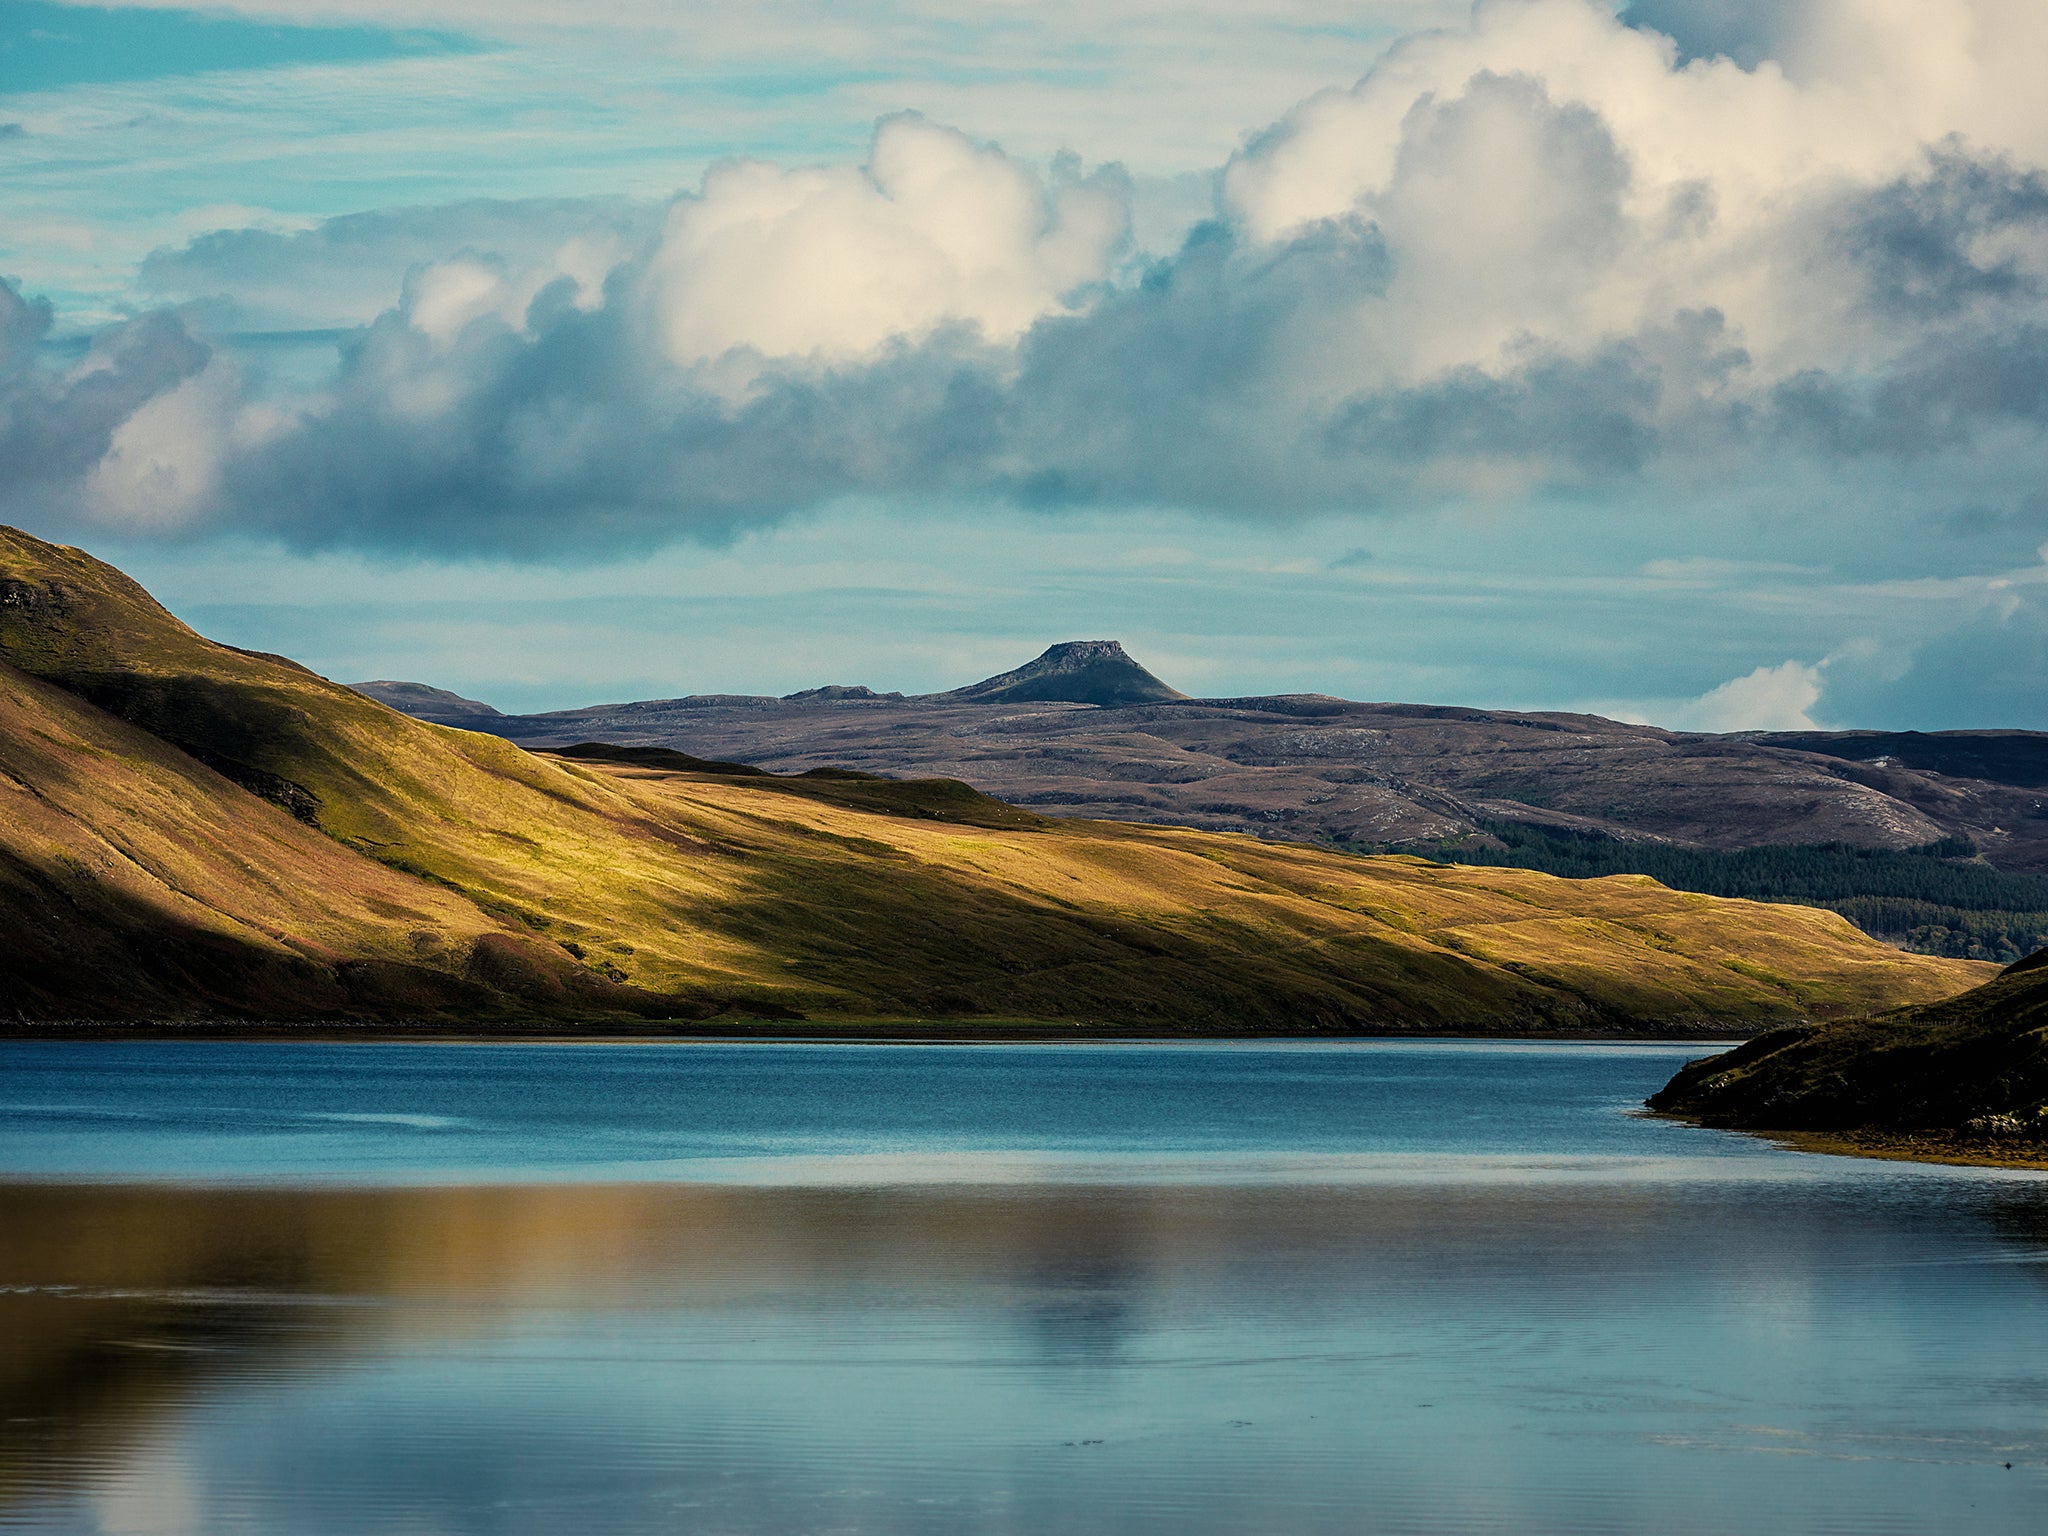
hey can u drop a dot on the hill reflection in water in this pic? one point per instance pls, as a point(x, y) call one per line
point(1859, 1350)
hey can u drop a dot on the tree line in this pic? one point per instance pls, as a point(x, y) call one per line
point(1938, 899)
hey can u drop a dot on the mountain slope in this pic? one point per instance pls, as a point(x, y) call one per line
point(1309, 768)
point(541, 848)
point(196, 830)
point(1936, 842)
point(436, 705)
point(1143, 920)
point(2018, 758)
point(135, 881)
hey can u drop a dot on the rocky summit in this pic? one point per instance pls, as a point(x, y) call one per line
point(1095, 672)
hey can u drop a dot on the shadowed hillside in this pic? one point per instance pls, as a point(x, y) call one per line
point(1965, 1077)
point(197, 831)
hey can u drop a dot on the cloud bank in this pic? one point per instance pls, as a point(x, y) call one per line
point(1551, 252)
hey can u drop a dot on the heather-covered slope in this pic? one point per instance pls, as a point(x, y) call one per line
point(196, 830)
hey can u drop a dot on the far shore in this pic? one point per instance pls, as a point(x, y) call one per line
point(865, 1031)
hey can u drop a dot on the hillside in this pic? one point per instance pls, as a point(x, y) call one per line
point(1966, 1077)
point(1934, 842)
point(1085, 731)
point(1942, 898)
point(197, 831)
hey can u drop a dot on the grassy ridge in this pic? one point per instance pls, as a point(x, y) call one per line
point(137, 882)
point(1157, 926)
point(228, 833)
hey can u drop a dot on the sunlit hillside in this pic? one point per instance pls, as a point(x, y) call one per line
point(196, 831)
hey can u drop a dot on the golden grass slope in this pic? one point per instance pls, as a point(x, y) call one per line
point(197, 830)
point(542, 849)
point(135, 881)
point(1028, 921)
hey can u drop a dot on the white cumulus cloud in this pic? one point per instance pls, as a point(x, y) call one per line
point(1549, 173)
point(831, 262)
point(1544, 251)
point(1768, 699)
point(162, 467)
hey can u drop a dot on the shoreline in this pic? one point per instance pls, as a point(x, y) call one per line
point(1883, 1146)
point(739, 1030)
point(1903, 1147)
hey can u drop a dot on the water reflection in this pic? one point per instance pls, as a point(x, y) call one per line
point(1861, 1352)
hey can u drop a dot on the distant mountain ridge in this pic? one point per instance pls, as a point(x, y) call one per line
point(438, 705)
point(1098, 672)
point(2019, 758)
point(1086, 730)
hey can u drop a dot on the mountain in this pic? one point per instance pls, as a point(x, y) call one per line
point(1935, 841)
point(1072, 672)
point(1966, 1077)
point(196, 831)
point(424, 703)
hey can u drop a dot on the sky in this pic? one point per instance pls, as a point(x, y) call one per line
point(1677, 360)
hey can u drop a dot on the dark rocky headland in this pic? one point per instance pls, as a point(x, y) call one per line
point(1965, 1079)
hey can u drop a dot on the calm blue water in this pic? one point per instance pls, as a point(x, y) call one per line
point(1403, 1287)
point(775, 1113)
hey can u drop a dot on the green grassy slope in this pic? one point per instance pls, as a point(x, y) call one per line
point(200, 830)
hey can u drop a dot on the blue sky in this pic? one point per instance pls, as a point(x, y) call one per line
point(1687, 361)
point(49, 46)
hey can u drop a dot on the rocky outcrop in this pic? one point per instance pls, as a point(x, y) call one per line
point(1967, 1076)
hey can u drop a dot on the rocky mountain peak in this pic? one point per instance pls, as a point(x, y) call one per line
point(1073, 672)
